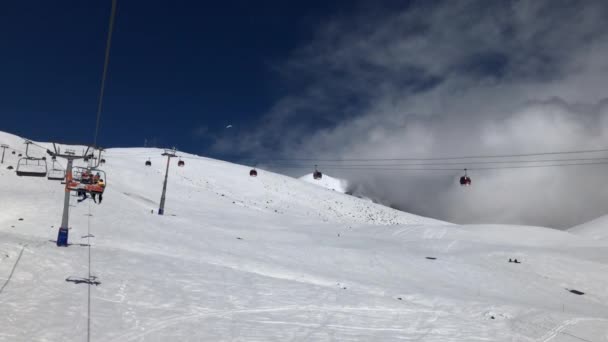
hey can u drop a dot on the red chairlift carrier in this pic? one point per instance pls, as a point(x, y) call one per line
point(317, 174)
point(465, 180)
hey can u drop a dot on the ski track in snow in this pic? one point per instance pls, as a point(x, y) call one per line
point(10, 276)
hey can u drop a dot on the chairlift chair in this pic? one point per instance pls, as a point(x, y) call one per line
point(465, 180)
point(148, 162)
point(181, 163)
point(75, 184)
point(58, 175)
point(317, 174)
point(253, 172)
point(31, 167)
point(77, 173)
point(56, 172)
point(102, 161)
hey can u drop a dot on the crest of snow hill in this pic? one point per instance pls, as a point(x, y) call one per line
point(596, 229)
point(275, 258)
point(328, 182)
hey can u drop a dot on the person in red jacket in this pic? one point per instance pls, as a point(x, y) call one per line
point(85, 177)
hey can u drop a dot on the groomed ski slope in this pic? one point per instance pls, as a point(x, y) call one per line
point(273, 258)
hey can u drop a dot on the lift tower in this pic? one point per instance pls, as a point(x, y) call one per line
point(169, 154)
point(70, 156)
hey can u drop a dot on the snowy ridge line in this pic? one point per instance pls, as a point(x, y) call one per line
point(10, 276)
point(594, 229)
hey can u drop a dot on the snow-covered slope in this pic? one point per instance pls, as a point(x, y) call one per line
point(271, 258)
point(595, 229)
point(328, 182)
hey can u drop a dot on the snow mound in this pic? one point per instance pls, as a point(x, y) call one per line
point(328, 182)
point(596, 229)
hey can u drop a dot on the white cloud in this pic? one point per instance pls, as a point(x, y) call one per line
point(454, 78)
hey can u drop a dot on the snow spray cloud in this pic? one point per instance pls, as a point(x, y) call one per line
point(440, 78)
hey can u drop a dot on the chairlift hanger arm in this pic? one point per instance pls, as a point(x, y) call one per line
point(98, 158)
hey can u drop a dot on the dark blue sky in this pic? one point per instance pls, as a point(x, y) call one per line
point(175, 66)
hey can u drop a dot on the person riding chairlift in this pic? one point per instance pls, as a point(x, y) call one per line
point(85, 177)
point(83, 194)
point(102, 184)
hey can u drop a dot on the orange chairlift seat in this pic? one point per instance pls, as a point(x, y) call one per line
point(89, 180)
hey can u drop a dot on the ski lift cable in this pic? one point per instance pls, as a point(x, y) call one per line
point(97, 125)
point(485, 156)
point(89, 275)
point(33, 144)
point(105, 71)
point(347, 168)
point(438, 159)
point(509, 164)
point(528, 161)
